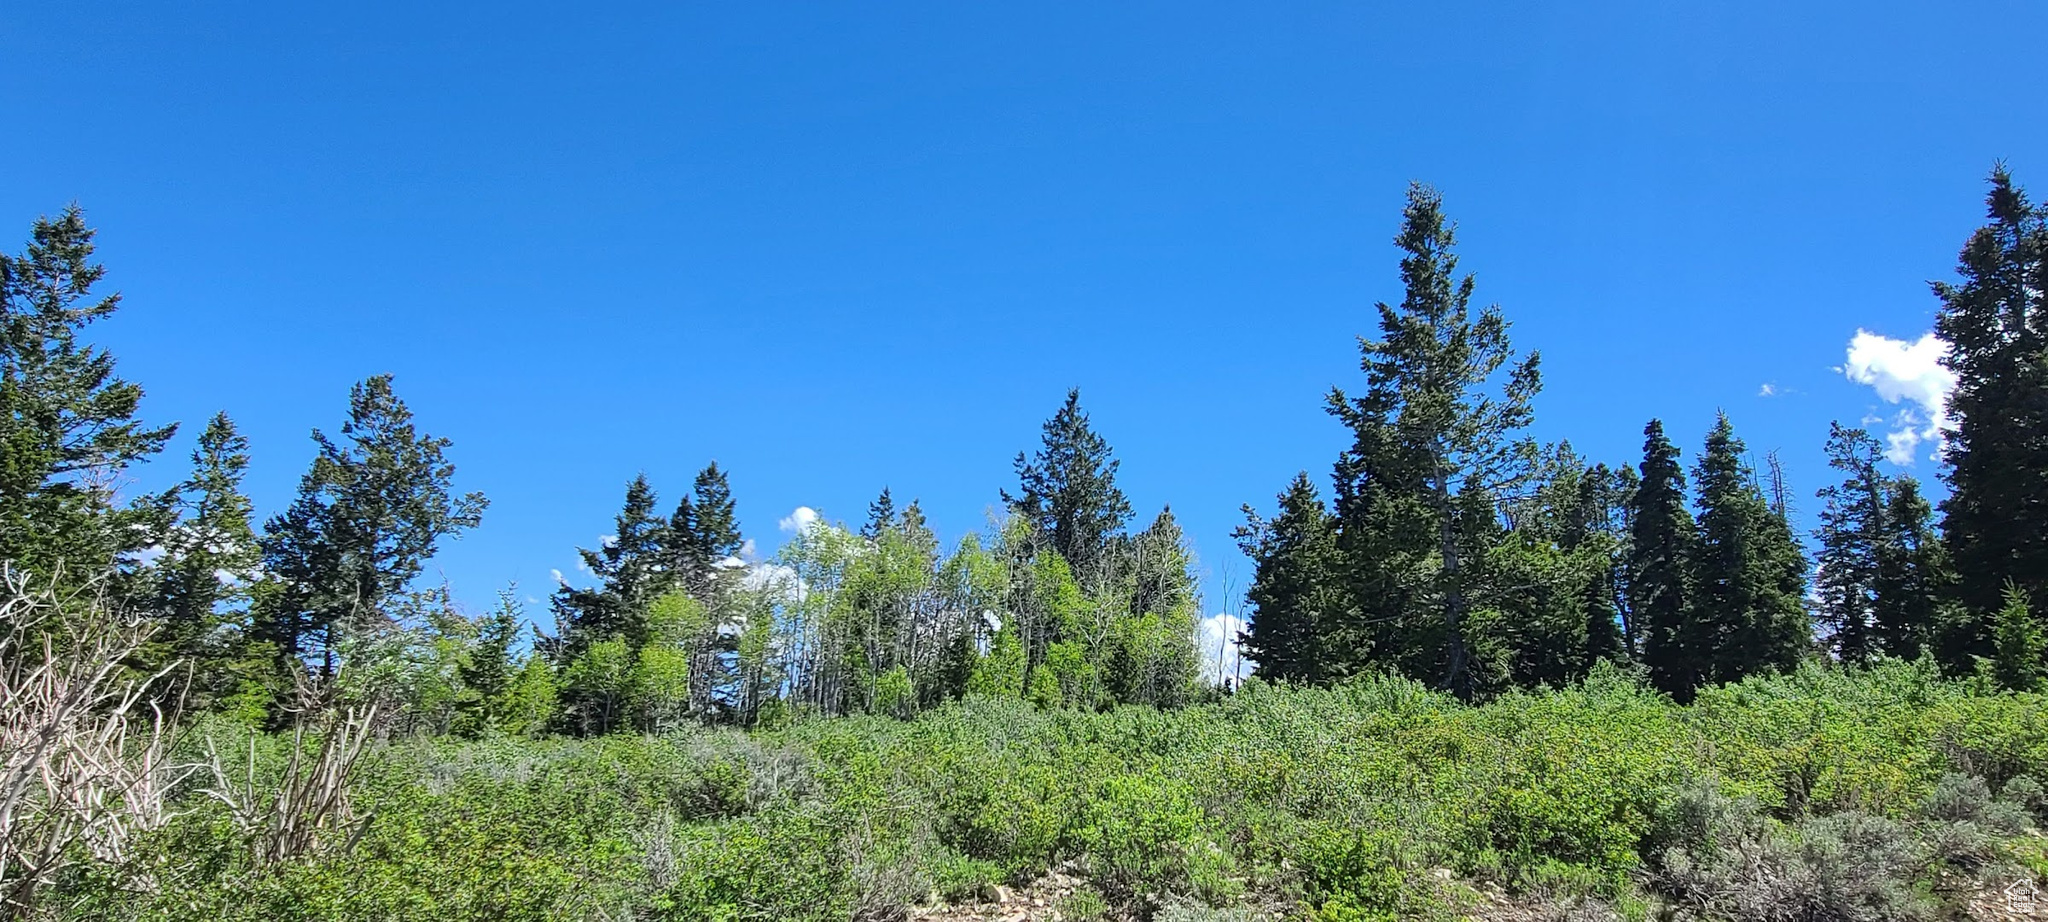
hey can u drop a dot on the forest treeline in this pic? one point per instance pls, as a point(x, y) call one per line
point(1063, 604)
point(1458, 551)
point(1452, 549)
point(1496, 676)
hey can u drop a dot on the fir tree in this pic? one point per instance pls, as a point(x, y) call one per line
point(1911, 611)
point(1995, 321)
point(67, 421)
point(1594, 534)
point(210, 556)
point(1852, 532)
point(1748, 572)
point(631, 570)
point(704, 533)
point(2017, 644)
point(1661, 547)
point(881, 515)
point(1067, 491)
point(1435, 444)
point(1160, 577)
point(369, 513)
point(1294, 594)
point(488, 674)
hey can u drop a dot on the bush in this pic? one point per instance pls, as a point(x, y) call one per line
point(1723, 857)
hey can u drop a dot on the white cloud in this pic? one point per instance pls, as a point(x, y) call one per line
point(776, 579)
point(1221, 658)
point(1768, 390)
point(1907, 373)
point(799, 520)
point(557, 574)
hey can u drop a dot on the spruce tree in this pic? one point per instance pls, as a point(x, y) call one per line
point(881, 515)
point(489, 671)
point(67, 421)
point(2017, 644)
point(1160, 579)
point(1748, 571)
point(371, 510)
point(1294, 594)
point(1662, 542)
point(1435, 443)
point(1852, 531)
point(1995, 321)
point(1067, 491)
point(1911, 612)
point(1594, 534)
point(631, 569)
point(210, 555)
point(705, 533)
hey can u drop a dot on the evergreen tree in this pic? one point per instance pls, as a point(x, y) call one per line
point(1748, 572)
point(67, 422)
point(1852, 532)
point(1662, 538)
point(1294, 594)
point(490, 672)
point(369, 513)
point(2017, 644)
point(1067, 491)
point(1550, 613)
point(706, 543)
point(705, 533)
point(1435, 444)
point(210, 556)
point(1995, 518)
point(1594, 534)
point(1160, 577)
point(881, 515)
point(631, 570)
point(1913, 581)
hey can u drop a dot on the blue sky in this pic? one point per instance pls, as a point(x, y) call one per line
point(837, 247)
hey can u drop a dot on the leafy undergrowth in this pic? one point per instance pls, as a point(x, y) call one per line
point(1880, 795)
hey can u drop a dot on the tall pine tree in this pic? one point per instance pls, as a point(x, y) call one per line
point(1435, 444)
point(1852, 531)
point(210, 555)
point(369, 513)
point(1995, 320)
point(1067, 491)
point(632, 570)
point(1662, 541)
point(1748, 571)
point(67, 421)
point(1913, 612)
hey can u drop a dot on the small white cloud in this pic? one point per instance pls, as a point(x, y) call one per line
point(1910, 373)
point(799, 520)
point(1768, 390)
point(608, 540)
point(557, 574)
point(1221, 657)
point(748, 551)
